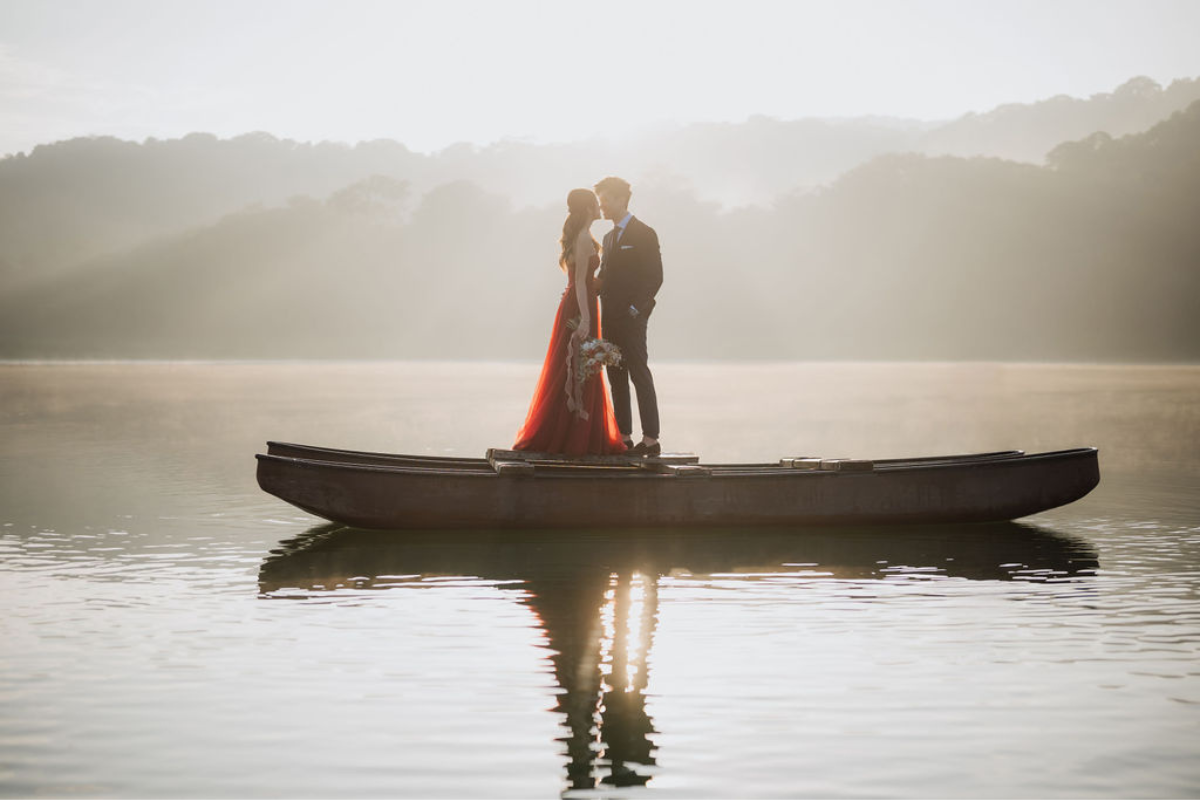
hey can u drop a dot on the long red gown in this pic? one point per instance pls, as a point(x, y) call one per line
point(552, 426)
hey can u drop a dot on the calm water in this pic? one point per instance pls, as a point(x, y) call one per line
point(169, 630)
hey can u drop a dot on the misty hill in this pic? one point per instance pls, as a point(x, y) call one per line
point(67, 204)
point(1093, 256)
point(1028, 132)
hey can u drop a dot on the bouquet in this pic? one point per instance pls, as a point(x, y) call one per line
point(584, 362)
point(594, 354)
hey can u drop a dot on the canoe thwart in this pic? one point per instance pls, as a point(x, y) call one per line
point(801, 462)
point(828, 464)
point(681, 470)
point(495, 454)
point(518, 468)
point(585, 466)
point(847, 465)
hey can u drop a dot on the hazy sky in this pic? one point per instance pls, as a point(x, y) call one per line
point(433, 73)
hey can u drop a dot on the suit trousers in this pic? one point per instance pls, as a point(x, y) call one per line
point(629, 334)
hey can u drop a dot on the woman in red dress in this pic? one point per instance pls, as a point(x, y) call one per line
point(568, 415)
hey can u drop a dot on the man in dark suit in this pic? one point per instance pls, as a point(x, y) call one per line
point(630, 274)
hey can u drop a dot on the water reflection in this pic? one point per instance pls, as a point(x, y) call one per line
point(595, 594)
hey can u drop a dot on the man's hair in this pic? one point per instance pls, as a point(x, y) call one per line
point(616, 186)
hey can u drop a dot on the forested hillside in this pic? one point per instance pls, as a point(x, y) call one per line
point(1093, 255)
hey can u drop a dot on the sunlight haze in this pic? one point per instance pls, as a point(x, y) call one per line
point(432, 74)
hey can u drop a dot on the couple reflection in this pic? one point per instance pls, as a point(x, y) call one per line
point(600, 633)
point(596, 595)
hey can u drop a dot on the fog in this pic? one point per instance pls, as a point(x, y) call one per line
point(1057, 230)
point(430, 74)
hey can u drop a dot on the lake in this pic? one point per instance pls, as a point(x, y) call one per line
point(169, 630)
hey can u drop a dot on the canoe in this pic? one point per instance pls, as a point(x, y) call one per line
point(512, 490)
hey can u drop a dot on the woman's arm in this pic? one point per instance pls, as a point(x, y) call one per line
point(584, 250)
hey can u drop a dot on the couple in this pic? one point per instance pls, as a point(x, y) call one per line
point(570, 412)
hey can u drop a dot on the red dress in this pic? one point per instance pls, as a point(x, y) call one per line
point(566, 417)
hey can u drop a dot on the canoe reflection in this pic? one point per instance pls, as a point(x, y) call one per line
point(595, 594)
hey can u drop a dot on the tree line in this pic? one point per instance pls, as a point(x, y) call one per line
point(1093, 255)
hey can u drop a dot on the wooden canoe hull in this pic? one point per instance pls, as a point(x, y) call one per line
point(390, 496)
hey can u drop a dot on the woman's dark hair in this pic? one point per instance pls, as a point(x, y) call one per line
point(581, 210)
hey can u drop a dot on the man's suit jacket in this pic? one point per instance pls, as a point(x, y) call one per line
point(631, 270)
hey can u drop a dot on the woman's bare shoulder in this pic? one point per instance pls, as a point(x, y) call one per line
point(584, 243)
